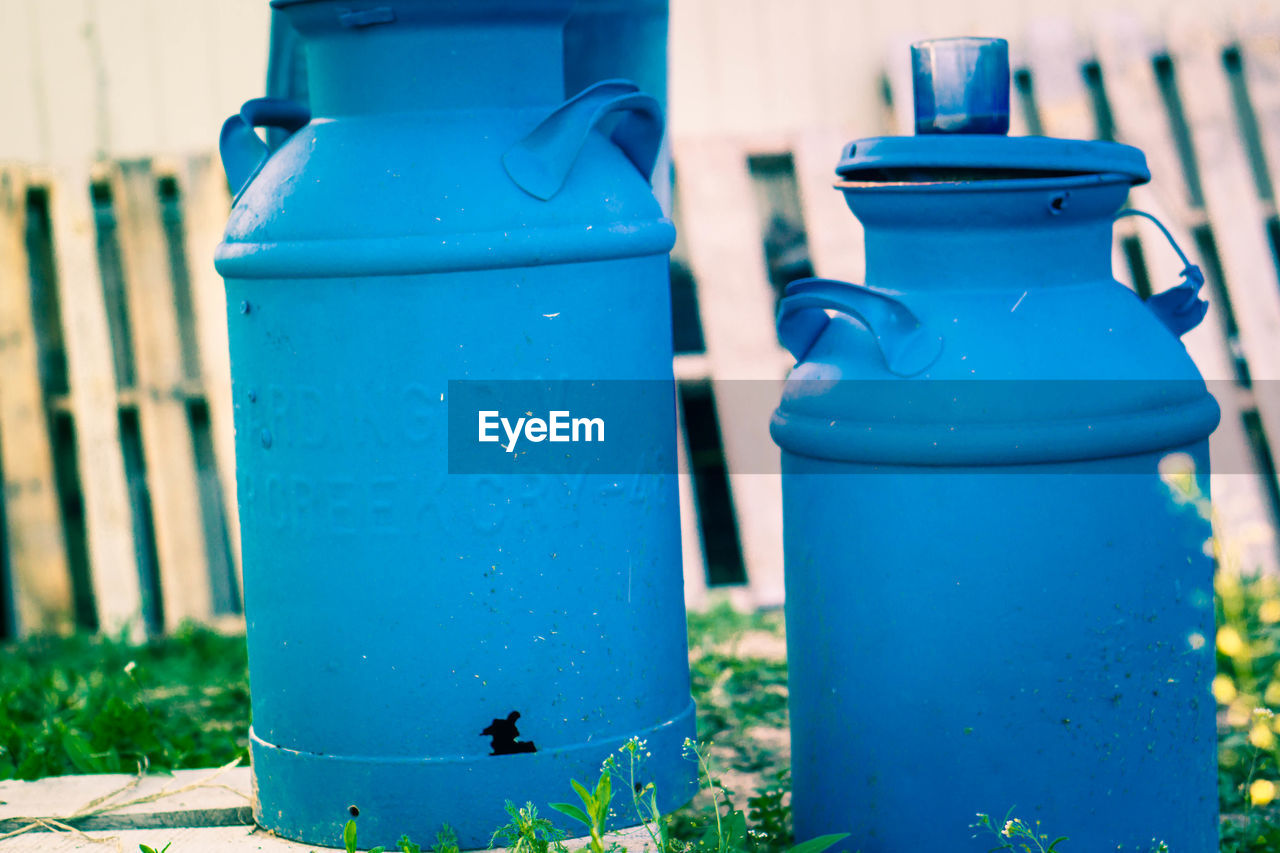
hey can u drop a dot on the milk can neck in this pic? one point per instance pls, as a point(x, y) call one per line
point(459, 65)
point(949, 255)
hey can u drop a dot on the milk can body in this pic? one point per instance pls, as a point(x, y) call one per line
point(998, 594)
point(443, 218)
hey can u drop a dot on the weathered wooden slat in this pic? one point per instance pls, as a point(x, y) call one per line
point(162, 412)
point(191, 817)
point(897, 69)
point(112, 550)
point(41, 578)
point(1119, 261)
point(1231, 201)
point(227, 839)
point(693, 556)
point(736, 303)
point(1056, 56)
point(205, 205)
point(834, 234)
point(64, 796)
point(1018, 107)
point(1259, 41)
point(1239, 221)
point(1125, 52)
point(691, 366)
point(236, 816)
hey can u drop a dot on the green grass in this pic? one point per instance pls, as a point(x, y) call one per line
point(86, 705)
point(739, 694)
point(91, 705)
point(735, 690)
point(95, 705)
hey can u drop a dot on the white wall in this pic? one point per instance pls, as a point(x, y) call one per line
point(763, 66)
point(124, 78)
point(143, 77)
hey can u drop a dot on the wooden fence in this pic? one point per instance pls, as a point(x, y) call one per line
point(1204, 103)
point(115, 439)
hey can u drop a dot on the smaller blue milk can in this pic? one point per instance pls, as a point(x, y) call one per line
point(428, 640)
point(998, 595)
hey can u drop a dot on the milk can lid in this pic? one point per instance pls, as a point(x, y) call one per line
point(958, 157)
point(961, 93)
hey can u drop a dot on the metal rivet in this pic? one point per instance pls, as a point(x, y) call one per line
point(266, 438)
point(245, 307)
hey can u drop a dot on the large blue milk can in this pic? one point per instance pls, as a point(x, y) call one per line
point(425, 645)
point(995, 597)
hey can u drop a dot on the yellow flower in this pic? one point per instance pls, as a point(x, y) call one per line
point(1240, 711)
point(1269, 610)
point(1229, 641)
point(1272, 695)
point(1224, 689)
point(1178, 470)
point(1262, 791)
point(1261, 736)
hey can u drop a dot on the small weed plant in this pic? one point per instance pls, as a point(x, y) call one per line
point(594, 813)
point(446, 841)
point(1013, 834)
point(526, 832)
point(729, 833)
point(1016, 834)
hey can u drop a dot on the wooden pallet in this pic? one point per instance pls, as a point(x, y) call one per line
point(196, 811)
point(115, 512)
point(1064, 78)
point(115, 431)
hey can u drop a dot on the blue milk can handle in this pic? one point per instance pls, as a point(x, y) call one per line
point(908, 346)
point(243, 152)
point(541, 162)
point(1180, 307)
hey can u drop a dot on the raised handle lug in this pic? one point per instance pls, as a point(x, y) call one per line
point(541, 162)
point(909, 347)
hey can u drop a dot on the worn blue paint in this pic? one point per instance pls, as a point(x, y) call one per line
point(603, 39)
point(993, 598)
point(438, 219)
